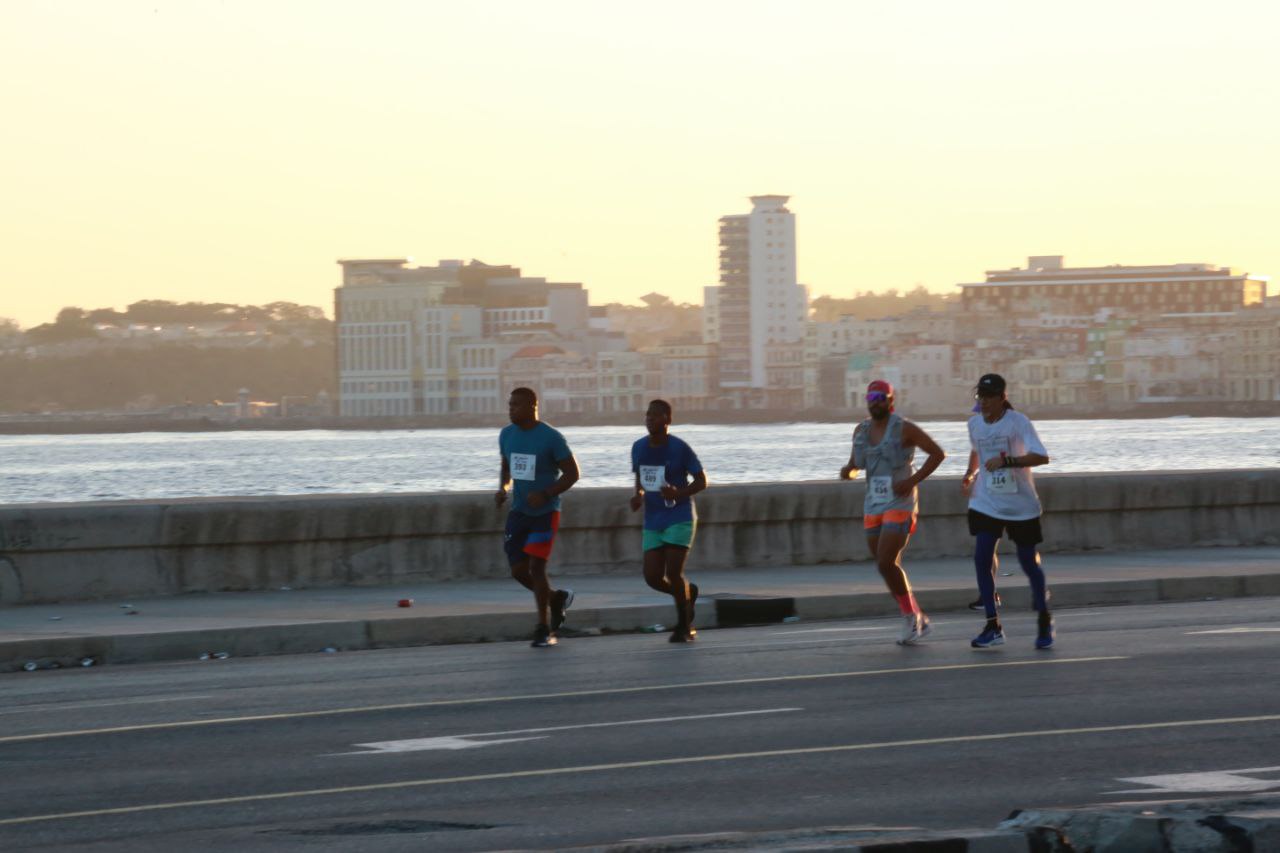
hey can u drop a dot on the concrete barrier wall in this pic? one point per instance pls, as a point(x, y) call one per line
point(61, 552)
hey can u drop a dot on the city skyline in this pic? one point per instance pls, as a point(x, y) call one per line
point(230, 153)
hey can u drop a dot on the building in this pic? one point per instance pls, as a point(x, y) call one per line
point(427, 340)
point(849, 334)
point(1046, 286)
point(1252, 356)
point(690, 376)
point(620, 382)
point(758, 302)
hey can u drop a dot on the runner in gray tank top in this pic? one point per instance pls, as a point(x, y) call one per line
point(884, 447)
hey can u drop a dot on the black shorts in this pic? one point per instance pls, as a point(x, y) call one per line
point(1025, 532)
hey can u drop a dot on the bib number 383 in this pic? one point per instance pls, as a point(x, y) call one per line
point(523, 466)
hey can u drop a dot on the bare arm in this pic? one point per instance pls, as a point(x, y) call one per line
point(970, 472)
point(1026, 460)
point(568, 476)
point(504, 480)
point(637, 500)
point(913, 436)
point(849, 471)
point(699, 483)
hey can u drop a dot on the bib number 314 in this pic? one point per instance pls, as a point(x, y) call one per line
point(1002, 483)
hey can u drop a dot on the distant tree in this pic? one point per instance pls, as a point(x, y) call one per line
point(9, 328)
point(171, 374)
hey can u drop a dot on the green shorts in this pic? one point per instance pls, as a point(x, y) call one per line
point(680, 535)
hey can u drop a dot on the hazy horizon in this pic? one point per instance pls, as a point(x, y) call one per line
point(232, 152)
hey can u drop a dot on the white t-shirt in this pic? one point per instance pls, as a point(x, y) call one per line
point(1006, 493)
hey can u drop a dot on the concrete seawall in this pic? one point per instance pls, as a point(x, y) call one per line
point(65, 552)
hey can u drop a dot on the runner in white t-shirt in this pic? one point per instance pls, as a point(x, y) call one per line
point(1004, 447)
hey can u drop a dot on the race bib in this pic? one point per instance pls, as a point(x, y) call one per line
point(523, 466)
point(881, 490)
point(652, 477)
point(1002, 482)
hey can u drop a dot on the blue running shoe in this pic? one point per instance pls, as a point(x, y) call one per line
point(1044, 633)
point(988, 638)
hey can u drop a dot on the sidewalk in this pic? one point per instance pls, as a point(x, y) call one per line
point(310, 621)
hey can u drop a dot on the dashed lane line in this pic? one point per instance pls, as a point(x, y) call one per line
point(568, 694)
point(634, 765)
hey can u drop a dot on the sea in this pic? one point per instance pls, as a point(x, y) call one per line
point(163, 465)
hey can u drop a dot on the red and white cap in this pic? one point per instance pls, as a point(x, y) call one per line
point(884, 388)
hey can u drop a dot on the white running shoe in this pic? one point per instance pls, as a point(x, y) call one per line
point(914, 627)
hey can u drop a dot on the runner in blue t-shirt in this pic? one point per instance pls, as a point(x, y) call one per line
point(537, 460)
point(668, 475)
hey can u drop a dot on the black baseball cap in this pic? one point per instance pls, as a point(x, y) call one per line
point(991, 385)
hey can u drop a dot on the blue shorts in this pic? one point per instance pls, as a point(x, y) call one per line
point(529, 535)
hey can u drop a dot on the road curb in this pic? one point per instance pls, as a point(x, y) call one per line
point(1190, 826)
point(851, 839)
point(316, 635)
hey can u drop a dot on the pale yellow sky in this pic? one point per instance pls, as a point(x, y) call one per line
point(231, 151)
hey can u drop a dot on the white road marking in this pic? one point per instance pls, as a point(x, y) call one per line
point(464, 741)
point(74, 706)
point(1213, 781)
point(1239, 630)
point(632, 765)
point(424, 744)
point(832, 630)
point(568, 694)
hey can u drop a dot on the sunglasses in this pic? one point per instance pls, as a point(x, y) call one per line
point(877, 397)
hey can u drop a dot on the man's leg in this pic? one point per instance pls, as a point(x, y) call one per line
point(520, 571)
point(984, 556)
point(1028, 537)
point(986, 535)
point(1029, 559)
point(674, 559)
point(541, 588)
point(889, 550)
point(655, 570)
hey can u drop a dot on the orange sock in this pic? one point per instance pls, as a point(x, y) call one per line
point(907, 603)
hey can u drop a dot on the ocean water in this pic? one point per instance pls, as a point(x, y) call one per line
point(38, 468)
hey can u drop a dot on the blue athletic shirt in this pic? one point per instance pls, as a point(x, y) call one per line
point(677, 462)
point(531, 456)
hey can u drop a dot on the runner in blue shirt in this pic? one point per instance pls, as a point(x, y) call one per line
point(668, 475)
point(537, 460)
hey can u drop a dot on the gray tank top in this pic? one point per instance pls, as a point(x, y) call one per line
point(885, 463)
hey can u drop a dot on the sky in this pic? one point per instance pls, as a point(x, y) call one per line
point(233, 151)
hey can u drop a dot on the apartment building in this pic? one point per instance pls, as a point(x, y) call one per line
point(758, 302)
point(1047, 286)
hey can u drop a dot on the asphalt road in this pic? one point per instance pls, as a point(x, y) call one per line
point(601, 739)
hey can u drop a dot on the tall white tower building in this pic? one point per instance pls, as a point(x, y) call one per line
point(758, 301)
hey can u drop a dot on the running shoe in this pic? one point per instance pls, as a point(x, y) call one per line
point(1044, 634)
point(988, 638)
point(682, 635)
point(560, 603)
point(913, 628)
point(976, 604)
point(543, 637)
